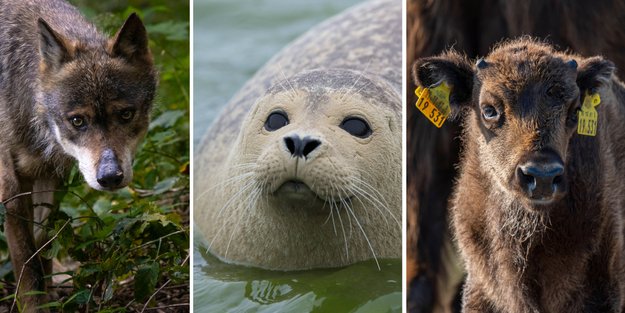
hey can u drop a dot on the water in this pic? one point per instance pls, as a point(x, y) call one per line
point(232, 40)
point(360, 288)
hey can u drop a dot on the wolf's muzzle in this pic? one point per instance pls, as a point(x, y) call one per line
point(110, 174)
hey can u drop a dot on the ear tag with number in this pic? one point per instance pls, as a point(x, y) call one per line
point(587, 117)
point(433, 102)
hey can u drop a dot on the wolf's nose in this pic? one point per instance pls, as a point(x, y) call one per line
point(110, 174)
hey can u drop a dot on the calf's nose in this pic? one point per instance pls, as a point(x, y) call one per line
point(540, 180)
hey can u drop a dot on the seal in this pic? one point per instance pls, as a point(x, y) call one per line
point(303, 167)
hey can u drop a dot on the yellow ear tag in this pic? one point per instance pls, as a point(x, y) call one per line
point(587, 117)
point(433, 102)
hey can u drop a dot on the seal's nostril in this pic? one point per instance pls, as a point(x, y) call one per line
point(310, 145)
point(299, 147)
point(290, 144)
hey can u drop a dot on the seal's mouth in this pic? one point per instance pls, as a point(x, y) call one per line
point(297, 190)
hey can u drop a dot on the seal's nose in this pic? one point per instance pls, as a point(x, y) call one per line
point(110, 174)
point(301, 147)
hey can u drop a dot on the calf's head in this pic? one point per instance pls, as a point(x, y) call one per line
point(520, 107)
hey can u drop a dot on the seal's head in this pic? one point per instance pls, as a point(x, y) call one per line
point(325, 144)
point(317, 167)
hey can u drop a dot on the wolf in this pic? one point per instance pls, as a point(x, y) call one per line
point(67, 93)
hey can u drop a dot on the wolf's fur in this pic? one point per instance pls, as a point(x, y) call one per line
point(56, 69)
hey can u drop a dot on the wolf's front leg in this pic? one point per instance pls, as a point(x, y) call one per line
point(27, 266)
point(43, 201)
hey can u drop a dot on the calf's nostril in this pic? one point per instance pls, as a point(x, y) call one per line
point(526, 180)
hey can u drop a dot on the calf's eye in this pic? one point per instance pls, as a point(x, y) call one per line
point(490, 113)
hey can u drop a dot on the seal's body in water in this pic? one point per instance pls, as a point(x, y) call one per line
point(303, 167)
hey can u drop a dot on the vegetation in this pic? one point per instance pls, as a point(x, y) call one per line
point(131, 246)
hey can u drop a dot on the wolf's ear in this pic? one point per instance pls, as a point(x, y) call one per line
point(452, 68)
point(131, 41)
point(53, 47)
point(593, 73)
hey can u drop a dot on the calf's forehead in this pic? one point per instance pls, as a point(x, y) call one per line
point(513, 68)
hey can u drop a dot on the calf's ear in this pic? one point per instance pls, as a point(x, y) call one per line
point(451, 67)
point(593, 73)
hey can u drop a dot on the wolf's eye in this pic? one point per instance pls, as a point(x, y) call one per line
point(77, 121)
point(356, 126)
point(276, 120)
point(127, 115)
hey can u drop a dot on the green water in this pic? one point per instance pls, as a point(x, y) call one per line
point(232, 40)
point(221, 287)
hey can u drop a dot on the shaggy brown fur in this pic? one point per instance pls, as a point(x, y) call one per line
point(523, 255)
point(472, 27)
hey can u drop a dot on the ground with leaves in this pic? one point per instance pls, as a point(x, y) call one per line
point(128, 251)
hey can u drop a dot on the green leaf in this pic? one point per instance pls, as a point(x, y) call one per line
point(167, 119)
point(174, 31)
point(54, 304)
point(165, 185)
point(81, 297)
point(145, 281)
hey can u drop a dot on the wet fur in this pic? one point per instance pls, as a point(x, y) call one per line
point(348, 65)
point(54, 64)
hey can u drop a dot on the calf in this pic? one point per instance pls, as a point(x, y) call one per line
point(538, 207)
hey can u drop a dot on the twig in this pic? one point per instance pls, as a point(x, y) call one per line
point(157, 239)
point(168, 306)
point(19, 280)
point(163, 286)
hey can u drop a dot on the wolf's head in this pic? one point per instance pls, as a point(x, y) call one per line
point(97, 99)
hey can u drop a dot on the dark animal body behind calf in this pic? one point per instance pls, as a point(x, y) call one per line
point(523, 253)
point(67, 93)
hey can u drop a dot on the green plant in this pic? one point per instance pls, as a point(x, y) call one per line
point(131, 245)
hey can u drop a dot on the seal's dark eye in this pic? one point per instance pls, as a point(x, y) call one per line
point(356, 127)
point(78, 122)
point(489, 113)
point(276, 120)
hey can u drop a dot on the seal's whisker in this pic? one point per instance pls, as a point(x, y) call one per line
point(349, 210)
point(372, 189)
point(330, 216)
point(225, 183)
point(375, 204)
point(348, 92)
point(294, 93)
point(343, 230)
point(230, 201)
point(364, 190)
point(251, 200)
